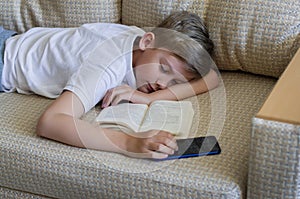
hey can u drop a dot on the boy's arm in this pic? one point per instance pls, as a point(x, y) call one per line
point(189, 89)
point(176, 92)
point(61, 122)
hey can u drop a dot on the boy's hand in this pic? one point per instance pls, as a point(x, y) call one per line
point(124, 92)
point(152, 144)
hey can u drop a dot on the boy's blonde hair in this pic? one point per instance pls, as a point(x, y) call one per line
point(185, 35)
point(191, 25)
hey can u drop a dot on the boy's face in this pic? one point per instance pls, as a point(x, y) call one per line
point(157, 69)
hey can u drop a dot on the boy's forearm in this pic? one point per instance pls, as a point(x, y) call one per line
point(207, 83)
point(61, 122)
point(182, 91)
point(79, 133)
point(176, 92)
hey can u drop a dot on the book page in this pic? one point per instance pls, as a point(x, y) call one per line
point(173, 116)
point(126, 114)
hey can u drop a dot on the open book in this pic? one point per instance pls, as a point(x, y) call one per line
point(173, 116)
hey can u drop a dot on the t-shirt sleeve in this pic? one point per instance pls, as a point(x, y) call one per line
point(104, 68)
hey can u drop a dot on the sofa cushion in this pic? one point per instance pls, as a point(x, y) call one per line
point(20, 15)
point(254, 36)
point(40, 166)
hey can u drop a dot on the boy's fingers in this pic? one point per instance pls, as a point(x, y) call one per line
point(157, 155)
point(117, 99)
point(119, 93)
point(163, 142)
point(149, 155)
point(167, 138)
point(169, 142)
point(107, 99)
point(158, 147)
point(112, 96)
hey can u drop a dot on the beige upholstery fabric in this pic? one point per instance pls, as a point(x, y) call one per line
point(20, 15)
point(150, 13)
point(6, 193)
point(255, 36)
point(274, 155)
point(56, 170)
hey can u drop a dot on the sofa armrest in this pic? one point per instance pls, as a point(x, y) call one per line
point(274, 170)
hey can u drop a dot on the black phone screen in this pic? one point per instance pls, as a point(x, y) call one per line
point(194, 147)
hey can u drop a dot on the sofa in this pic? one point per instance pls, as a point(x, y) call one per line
point(254, 112)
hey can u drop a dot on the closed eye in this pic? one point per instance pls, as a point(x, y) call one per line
point(164, 68)
point(175, 81)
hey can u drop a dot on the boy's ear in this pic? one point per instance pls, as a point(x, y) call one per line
point(147, 41)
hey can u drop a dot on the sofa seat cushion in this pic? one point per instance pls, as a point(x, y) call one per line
point(48, 168)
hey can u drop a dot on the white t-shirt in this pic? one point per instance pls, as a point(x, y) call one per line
point(87, 60)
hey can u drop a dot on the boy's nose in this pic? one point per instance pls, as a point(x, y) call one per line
point(162, 84)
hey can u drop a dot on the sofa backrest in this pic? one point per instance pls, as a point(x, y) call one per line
point(259, 36)
point(20, 15)
point(253, 36)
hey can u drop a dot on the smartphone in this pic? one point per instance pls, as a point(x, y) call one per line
point(195, 147)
